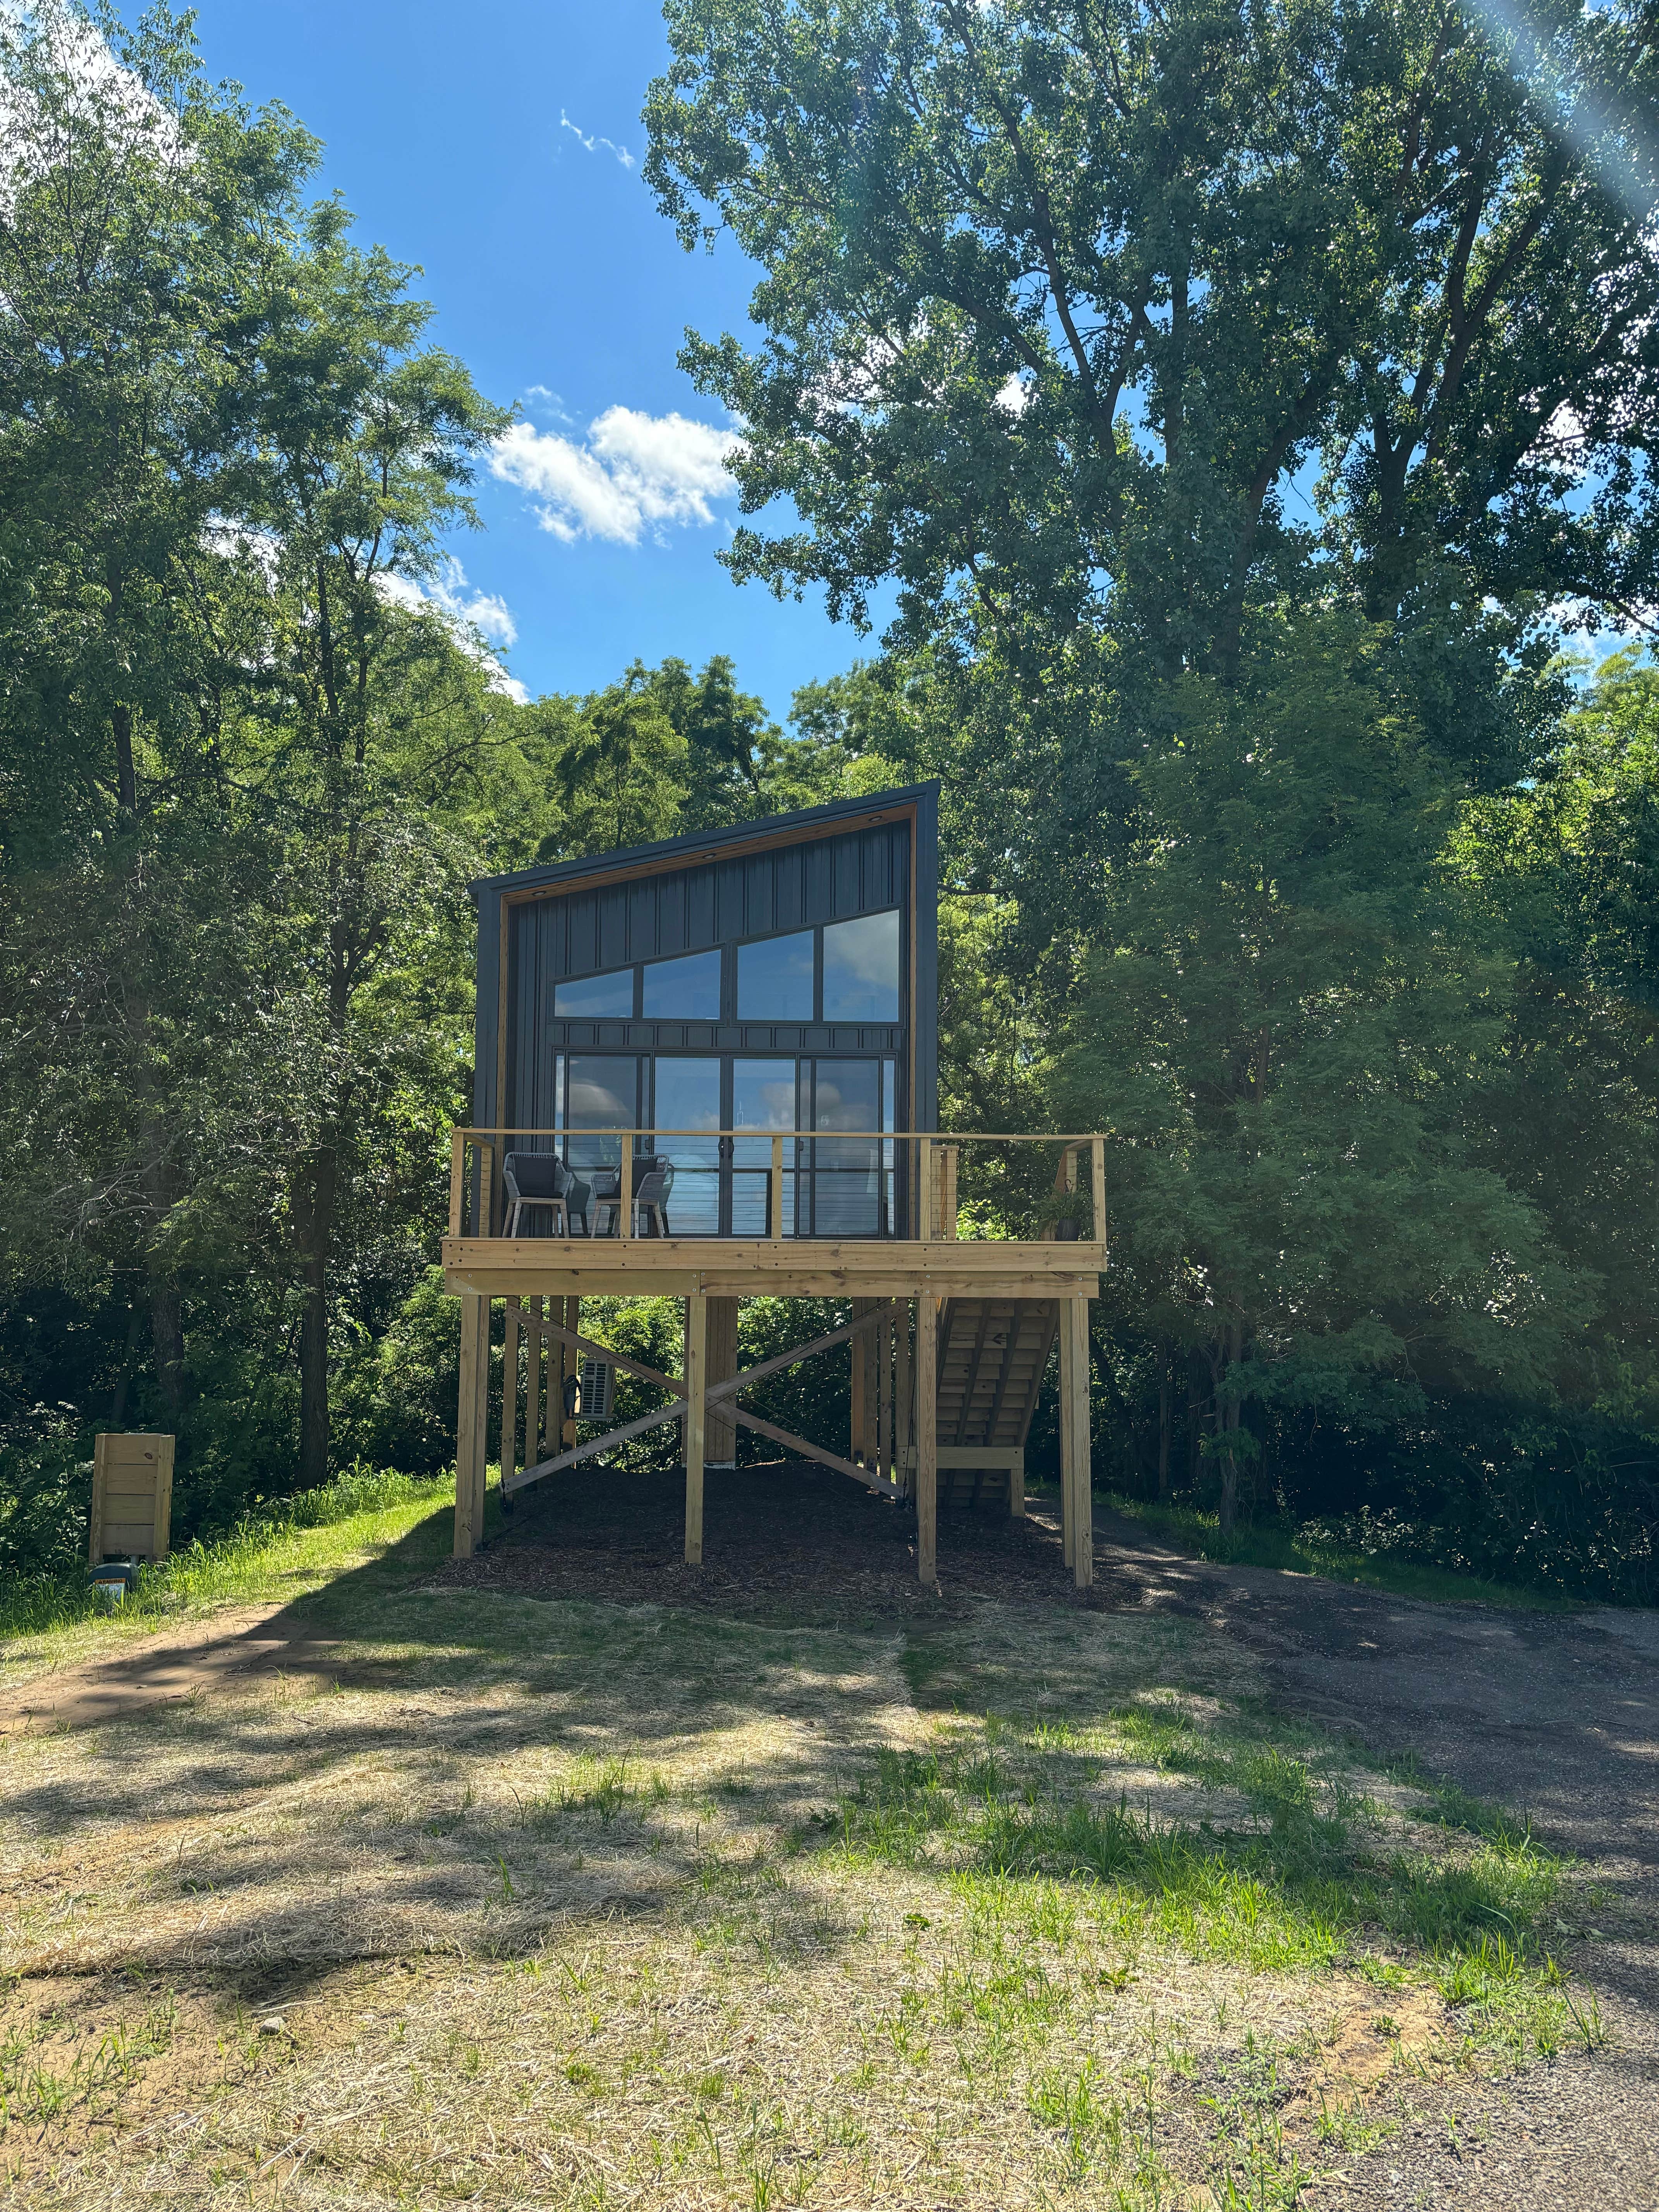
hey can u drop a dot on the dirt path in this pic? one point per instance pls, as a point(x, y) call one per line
point(171, 1665)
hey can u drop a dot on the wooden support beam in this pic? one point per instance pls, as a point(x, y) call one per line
point(720, 1436)
point(927, 1440)
point(481, 1449)
point(885, 1394)
point(1083, 1508)
point(718, 1393)
point(675, 1411)
point(857, 1397)
point(696, 1382)
point(475, 1353)
point(799, 1444)
point(1097, 1185)
point(510, 1391)
point(560, 1423)
point(903, 1406)
point(580, 1452)
point(1067, 1448)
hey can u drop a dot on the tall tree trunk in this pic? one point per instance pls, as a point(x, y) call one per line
point(1195, 1417)
point(118, 1407)
point(1165, 1422)
point(314, 1203)
point(1227, 1415)
point(166, 1330)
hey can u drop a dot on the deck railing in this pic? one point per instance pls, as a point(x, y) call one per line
point(858, 1184)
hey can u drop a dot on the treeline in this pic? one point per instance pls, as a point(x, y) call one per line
point(252, 753)
point(1248, 406)
point(1251, 405)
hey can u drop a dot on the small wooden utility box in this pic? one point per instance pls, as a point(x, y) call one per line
point(132, 1499)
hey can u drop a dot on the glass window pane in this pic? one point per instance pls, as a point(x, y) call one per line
point(688, 1096)
point(601, 1092)
point(775, 979)
point(685, 990)
point(596, 998)
point(847, 1173)
point(861, 969)
point(763, 1098)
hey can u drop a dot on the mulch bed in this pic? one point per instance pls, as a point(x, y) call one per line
point(788, 1539)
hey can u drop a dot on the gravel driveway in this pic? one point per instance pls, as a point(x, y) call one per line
point(1552, 1715)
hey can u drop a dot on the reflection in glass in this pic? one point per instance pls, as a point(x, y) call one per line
point(861, 970)
point(775, 979)
point(762, 1097)
point(688, 1096)
point(601, 1093)
point(596, 998)
point(685, 990)
point(846, 1174)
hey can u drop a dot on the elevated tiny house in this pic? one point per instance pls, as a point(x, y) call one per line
point(708, 1069)
point(778, 979)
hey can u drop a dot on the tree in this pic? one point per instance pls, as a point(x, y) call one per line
point(1571, 861)
point(1284, 1018)
point(140, 214)
point(1061, 303)
point(373, 721)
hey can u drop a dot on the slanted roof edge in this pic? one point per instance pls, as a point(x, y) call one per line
point(705, 844)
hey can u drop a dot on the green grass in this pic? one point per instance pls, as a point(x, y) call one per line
point(296, 1547)
point(1311, 1877)
point(1272, 1544)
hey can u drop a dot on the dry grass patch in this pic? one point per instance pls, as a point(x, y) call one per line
point(569, 1905)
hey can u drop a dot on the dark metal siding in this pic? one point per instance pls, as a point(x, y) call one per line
point(562, 925)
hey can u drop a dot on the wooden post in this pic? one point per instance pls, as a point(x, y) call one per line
point(475, 1353)
point(1075, 1321)
point(1068, 1446)
point(697, 1385)
point(561, 1423)
point(510, 1393)
point(1017, 1487)
point(720, 1430)
point(901, 1408)
point(484, 1225)
point(481, 1448)
point(457, 1178)
point(927, 1439)
point(625, 1188)
point(885, 1394)
point(858, 1407)
point(944, 1212)
point(1097, 1184)
point(774, 1186)
point(925, 1189)
point(535, 1358)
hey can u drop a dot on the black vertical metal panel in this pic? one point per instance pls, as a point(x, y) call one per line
point(562, 924)
point(925, 909)
point(486, 1022)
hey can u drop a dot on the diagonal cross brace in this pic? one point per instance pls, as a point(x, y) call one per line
point(666, 1413)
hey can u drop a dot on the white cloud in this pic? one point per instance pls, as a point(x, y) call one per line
point(472, 614)
point(592, 145)
point(1013, 395)
point(635, 472)
point(542, 401)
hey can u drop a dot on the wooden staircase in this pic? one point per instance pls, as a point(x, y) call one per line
point(992, 1355)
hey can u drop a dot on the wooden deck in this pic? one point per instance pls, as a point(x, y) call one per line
point(950, 1335)
point(781, 1267)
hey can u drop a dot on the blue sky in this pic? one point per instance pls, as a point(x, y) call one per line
point(474, 142)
